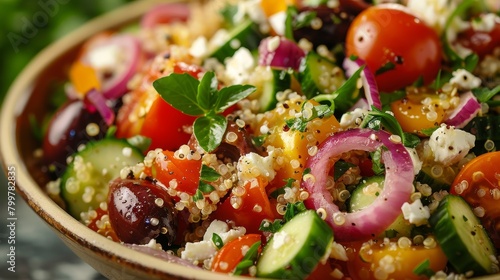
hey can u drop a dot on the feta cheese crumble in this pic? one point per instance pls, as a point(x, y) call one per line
point(416, 213)
point(450, 145)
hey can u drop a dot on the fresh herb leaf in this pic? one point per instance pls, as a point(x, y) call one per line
point(347, 94)
point(340, 168)
point(424, 269)
point(281, 190)
point(377, 165)
point(376, 119)
point(180, 91)
point(228, 12)
point(203, 100)
point(207, 91)
point(428, 131)
point(248, 260)
point(258, 141)
point(386, 67)
point(205, 187)
point(303, 19)
point(300, 123)
point(217, 240)
point(291, 13)
point(228, 96)
point(208, 174)
point(198, 195)
point(272, 227)
point(292, 209)
point(485, 94)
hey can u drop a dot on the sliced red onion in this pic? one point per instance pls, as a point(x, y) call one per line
point(280, 52)
point(126, 50)
point(398, 185)
point(96, 101)
point(367, 78)
point(466, 110)
point(165, 13)
point(162, 255)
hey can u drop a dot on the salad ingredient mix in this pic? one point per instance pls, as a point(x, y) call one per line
point(311, 139)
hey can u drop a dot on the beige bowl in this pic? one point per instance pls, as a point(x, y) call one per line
point(29, 95)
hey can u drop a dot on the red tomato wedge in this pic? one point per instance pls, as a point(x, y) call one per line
point(228, 257)
point(478, 182)
point(183, 173)
point(253, 207)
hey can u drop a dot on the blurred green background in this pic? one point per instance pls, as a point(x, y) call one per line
point(26, 27)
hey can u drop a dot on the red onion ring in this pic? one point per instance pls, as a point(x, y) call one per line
point(367, 78)
point(398, 186)
point(466, 110)
point(96, 101)
point(165, 13)
point(281, 54)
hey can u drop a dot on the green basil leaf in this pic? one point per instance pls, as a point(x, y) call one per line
point(485, 94)
point(208, 174)
point(424, 269)
point(217, 240)
point(347, 94)
point(180, 91)
point(229, 96)
point(207, 91)
point(209, 131)
point(205, 187)
point(198, 195)
point(340, 168)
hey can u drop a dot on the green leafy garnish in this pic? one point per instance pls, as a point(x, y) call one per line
point(300, 123)
point(281, 190)
point(217, 240)
point(377, 165)
point(340, 168)
point(485, 94)
point(376, 119)
point(345, 96)
point(386, 67)
point(424, 269)
point(292, 209)
point(203, 100)
point(207, 174)
point(248, 260)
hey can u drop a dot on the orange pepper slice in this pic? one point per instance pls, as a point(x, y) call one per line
point(83, 77)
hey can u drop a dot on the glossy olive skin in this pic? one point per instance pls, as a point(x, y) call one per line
point(67, 130)
point(141, 210)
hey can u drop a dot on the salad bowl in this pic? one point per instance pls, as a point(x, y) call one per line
point(28, 95)
point(27, 103)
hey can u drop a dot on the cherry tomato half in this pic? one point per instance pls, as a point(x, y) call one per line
point(480, 42)
point(398, 47)
point(228, 257)
point(253, 207)
point(478, 182)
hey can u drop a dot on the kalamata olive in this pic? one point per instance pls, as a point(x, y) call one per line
point(71, 126)
point(328, 28)
point(141, 210)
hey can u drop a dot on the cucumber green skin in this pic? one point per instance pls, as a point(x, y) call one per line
point(281, 81)
point(453, 223)
point(424, 176)
point(101, 154)
point(247, 33)
point(359, 200)
point(310, 71)
point(484, 128)
point(301, 257)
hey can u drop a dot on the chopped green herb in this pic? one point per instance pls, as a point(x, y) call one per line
point(386, 67)
point(248, 260)
point(203, 100)
point(424, 269)
point(340, 168)
point(208, 174)
point(217, 240)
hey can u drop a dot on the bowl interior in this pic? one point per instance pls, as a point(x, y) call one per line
point(28, 99)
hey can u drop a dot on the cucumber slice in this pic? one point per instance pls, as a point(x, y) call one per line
point(485, 129)
point(84, 184)
point(244, 35)
point(462, 237)
point(319, 75)
point(295, 250)
point(365, 193)
point(425, 176)
point(272, 81)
